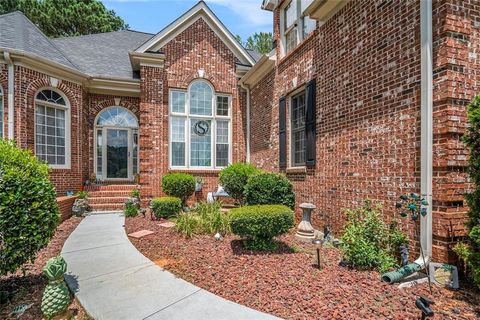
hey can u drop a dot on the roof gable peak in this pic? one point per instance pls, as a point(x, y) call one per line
point(199, 11)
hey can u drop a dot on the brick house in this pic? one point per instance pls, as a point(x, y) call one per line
point(358, 99)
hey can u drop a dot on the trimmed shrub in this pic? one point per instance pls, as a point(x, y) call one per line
point(469, 252)
point(258, 225)
point(368, 243)
point(234, 178)
point(212, 219)
point(166, 207)
point(179, 185)
point(269, 188)
point(28, 207)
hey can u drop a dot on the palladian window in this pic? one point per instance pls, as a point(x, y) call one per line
point(200, 127)
point(52, 128)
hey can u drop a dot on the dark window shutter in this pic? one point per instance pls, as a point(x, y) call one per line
point(310, 124)
point(282, 133)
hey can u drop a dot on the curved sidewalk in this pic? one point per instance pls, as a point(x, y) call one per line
point(112, 280)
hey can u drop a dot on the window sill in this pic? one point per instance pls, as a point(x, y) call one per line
point(296, 170)
point(297, 48)
point(196, 171)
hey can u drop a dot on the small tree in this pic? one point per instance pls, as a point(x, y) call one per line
point(28, 207)
point(470, 252)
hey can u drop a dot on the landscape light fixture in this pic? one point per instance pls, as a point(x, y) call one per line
point(318, 244)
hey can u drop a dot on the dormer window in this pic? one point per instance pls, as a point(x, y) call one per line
point(295, 26)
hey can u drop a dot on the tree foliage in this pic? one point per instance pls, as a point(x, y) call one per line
point(259, 41)
point(57, 18)
point(470, 252)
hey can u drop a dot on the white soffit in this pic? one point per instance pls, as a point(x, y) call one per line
point(199, 11)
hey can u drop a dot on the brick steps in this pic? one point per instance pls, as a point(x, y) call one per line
point(106, 206)
point(109, 196)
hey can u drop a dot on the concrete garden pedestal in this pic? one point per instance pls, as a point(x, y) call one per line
point(305, 229)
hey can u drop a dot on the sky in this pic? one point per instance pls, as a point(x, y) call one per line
point(242, 17)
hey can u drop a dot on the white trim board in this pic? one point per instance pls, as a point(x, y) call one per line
point(199, 11)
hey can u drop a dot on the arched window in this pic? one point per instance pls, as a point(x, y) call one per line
point(200, 127)
point(52, 128)
point(2, 123)
point(117, 117)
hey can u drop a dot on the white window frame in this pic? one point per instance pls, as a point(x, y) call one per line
point(2, 112)
point(298, 24)
point(67, 109)
point(213, 128)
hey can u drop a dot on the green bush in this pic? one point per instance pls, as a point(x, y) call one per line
point(131, 208)
point(234, 178)
point(166, 207)
point(470, 252)
point(212, 219)
point(135, 193)
point(367, 241)
point(258, 225)
point(28, 207)
point(180, 185)
point(269, 188)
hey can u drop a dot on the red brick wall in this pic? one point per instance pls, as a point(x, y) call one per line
point(197, 47)
point(27, 84)
point(366, 61)
point(65, 206)
point(456, 82)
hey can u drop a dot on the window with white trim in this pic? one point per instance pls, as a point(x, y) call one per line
point(295, 25)
point(199, 127)
point(52, 128)
point(297, 130)
point(2, 114)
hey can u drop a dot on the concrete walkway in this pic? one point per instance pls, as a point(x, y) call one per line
point(112, 280)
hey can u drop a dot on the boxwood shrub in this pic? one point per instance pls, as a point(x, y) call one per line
point(269, 188)
point(258, 225)
point(234, 178)
point(28, 207)
point(179, 185)
point(166, 207)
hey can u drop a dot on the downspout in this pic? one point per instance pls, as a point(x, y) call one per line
point(247, 88)
point(426, 148)
point(426, 138)
point(11, 88)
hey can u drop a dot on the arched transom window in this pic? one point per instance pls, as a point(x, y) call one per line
point(2, 114)
point(117, 117)
point(200, 127)
point(52, 128)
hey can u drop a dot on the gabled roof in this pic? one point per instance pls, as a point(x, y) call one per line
point(199, 11)
point(103, 54)
point(19, 33)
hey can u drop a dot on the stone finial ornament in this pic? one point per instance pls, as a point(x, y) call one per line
point(56, 297)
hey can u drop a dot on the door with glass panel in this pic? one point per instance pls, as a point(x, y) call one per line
point(116, 150)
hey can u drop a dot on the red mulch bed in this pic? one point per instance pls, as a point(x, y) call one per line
point(28, 288)
point(286, 283)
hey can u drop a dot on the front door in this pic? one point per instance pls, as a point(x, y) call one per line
point(117, 154)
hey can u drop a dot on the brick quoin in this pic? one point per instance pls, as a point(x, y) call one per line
point(366, 62)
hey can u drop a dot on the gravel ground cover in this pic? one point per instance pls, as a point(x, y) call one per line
point(287, 284)
point(28, 287)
